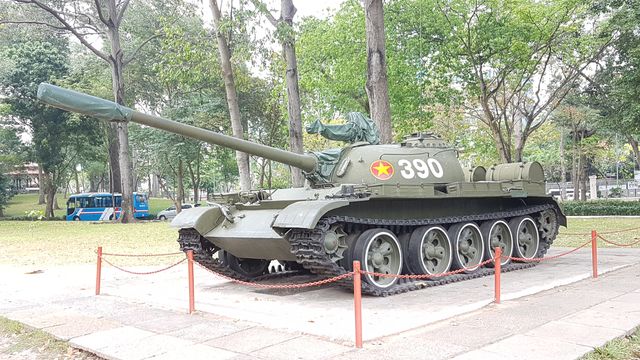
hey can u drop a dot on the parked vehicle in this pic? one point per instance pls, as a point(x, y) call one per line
point(170, 212)
point(100, 206)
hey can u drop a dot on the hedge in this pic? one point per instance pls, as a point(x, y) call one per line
point(600, 207)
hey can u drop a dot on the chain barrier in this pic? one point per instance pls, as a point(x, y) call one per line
point(427, 276)
point(282, 286)
point(540, 259)
point(637, 241)
point(143, 255)
point(142, 272)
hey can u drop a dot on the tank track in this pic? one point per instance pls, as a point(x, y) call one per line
point(308, 247)
point(203, 251)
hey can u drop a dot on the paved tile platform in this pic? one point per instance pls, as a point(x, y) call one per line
point(554, 310)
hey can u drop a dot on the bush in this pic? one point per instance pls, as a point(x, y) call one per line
point(601, 207)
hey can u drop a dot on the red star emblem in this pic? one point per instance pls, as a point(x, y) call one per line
point(382, 170)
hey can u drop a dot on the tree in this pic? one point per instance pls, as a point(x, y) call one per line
point(517, 60)
point(377, 87)
point(12, 154)
point(232, 95)
point(614, 89)
point(286, 35)
point(57, 136)
point(102, 17)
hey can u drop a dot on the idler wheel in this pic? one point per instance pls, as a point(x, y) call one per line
point(497, 234)
point(468, 247)
point(526, 235)
point(250, 268)
point(379, 251)
point(429, 251)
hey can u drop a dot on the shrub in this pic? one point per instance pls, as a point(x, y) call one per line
point(600, 207)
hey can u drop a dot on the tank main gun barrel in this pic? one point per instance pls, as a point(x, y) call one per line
point(78, 102)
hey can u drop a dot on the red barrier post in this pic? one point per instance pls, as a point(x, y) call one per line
point(98, 270)
point(192, 306)
point(497, 266)
point(357, 302)
point(594, 252)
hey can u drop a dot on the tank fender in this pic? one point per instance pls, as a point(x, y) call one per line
point(203, 218)
point(305, 214)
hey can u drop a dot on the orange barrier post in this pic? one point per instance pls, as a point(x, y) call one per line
point(357, 302)
point(594, 252)
point(497, 266)
point(98, 270)
point(192, 306)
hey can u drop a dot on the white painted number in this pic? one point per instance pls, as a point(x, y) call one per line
point(407, 172)
point(436, 168)
point(422, 168)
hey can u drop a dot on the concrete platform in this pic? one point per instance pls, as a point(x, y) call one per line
point(555, 303)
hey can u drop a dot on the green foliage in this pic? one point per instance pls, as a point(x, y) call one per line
point(600, 207)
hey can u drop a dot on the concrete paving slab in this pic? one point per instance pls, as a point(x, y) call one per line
point(145, 348)
point(578, 334)
point(197, 352)
point(169, 322)
point(302, 348)
point(209, 330)
point(533, 348)
point(250, 340)
point(112, 337)
point(79, 325)
point(482, 355)
point(41, 318)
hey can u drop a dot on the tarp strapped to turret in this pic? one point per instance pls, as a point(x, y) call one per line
point(357, 128)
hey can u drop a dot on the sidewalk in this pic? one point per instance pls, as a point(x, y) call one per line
point(142, 318)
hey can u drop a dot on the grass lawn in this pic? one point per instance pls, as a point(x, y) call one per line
point(46, 243)
point(24, 343)
point(20, 204)
point(623, 348)
point(584, 226)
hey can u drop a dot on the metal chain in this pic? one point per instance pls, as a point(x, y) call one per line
point(281, 286)
point(539, 259)
point(143, 273)
point(427, 276)
point(637, 240)
point(142, 255)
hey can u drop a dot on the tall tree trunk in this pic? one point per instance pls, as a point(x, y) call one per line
point(575, 173)
point(180, 181)
point(50, 193)
point(41, 185)
point(293, 90)
point(122, 128)
point(377, 86)
point(563, 169)
point(636, 150)
point(232, 96)
point(75, 173)
point(114, 157)
point(583, 177)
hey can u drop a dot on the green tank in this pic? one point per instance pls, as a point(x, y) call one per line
point(407, 208)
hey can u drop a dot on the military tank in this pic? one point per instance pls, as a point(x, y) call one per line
point(406, 208)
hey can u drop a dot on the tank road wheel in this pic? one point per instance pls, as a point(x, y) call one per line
point(429, 251)
point(497, 233)
point(527, 238)
point(468, 247)
point(335, 242)
point(250, 268)
point(379, 251)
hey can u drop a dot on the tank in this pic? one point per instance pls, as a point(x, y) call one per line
point(405, 208)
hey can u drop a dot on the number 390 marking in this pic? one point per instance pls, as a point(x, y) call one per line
point(421, 168)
